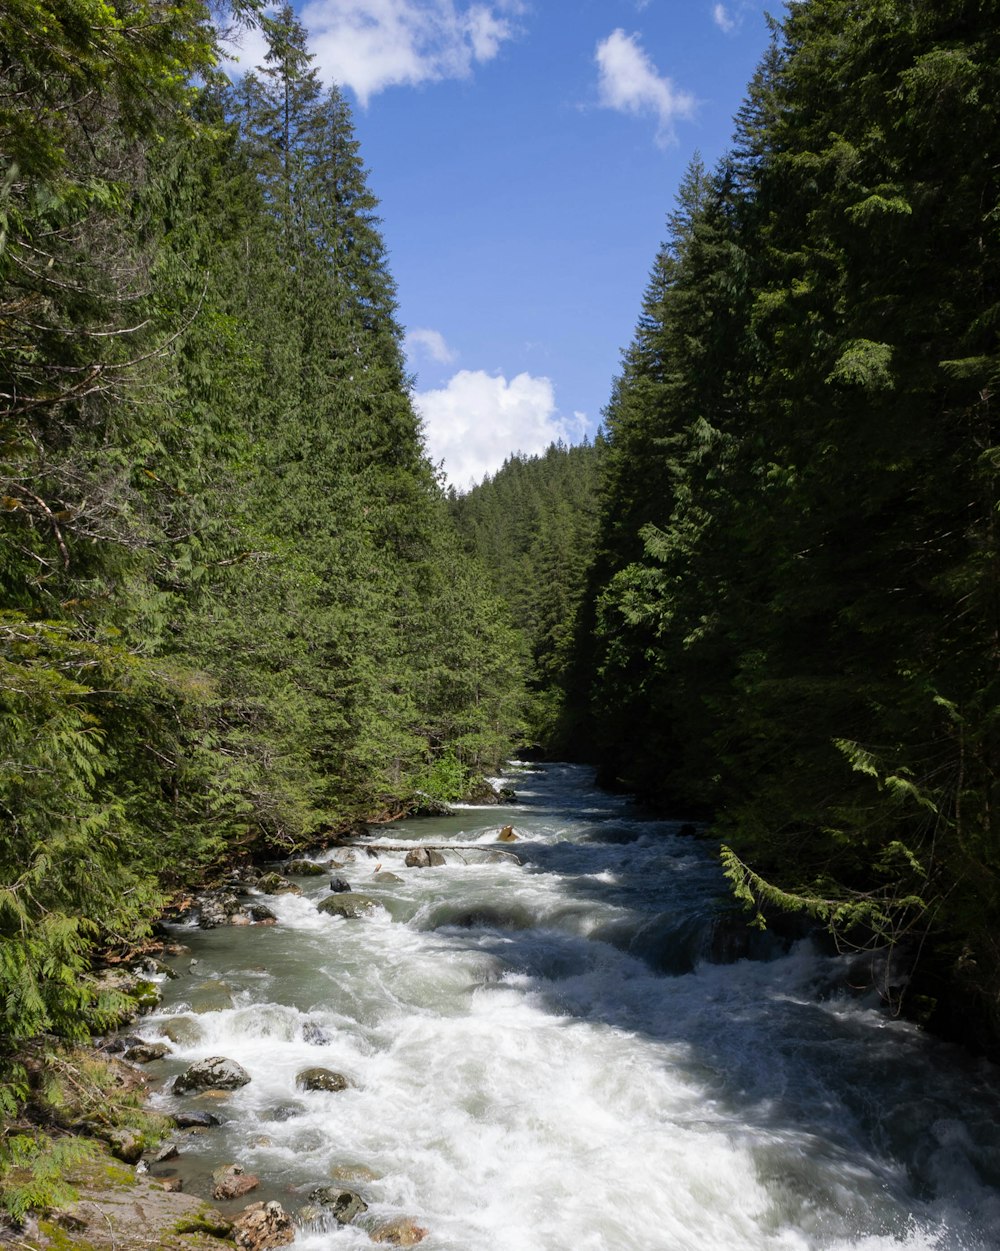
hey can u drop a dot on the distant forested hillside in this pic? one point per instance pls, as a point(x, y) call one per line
point(533, 525)
point(234, 610)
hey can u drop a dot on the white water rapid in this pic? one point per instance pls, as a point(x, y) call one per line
point(542, 1057)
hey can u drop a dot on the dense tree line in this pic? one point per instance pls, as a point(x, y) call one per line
point(234, 610)
point(533, 525)
point(794, 609)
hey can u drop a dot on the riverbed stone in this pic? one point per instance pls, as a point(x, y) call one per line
point(321, 1079)
point(181, 1030)
point(213, 1073)
point(401, 1232)
point(349, 904)
point(232, 1181)
point(342, 1204)
point(263, 1225)
point(146, 1052)
point(275, 884)
point(260, 914)
point(423, 858)
point(316, 1035)
point(385, 878)
point(304, 868)
point(507, 835)
point(217, 908)
point(195, 1120)
point(339, 885)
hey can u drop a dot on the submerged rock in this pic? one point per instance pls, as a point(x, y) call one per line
point(350, 904)
point(321, 1079)
point(263, 1225)
point(181, 1030)
point(342, 1204)
point(353, 1173)
point(385, 878)
point(423, 858)
point(316, 1034)
point(213, 1073)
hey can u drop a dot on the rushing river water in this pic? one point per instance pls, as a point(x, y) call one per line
point(543, 1057)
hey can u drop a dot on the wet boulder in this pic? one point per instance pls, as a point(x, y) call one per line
point(321, 1079)
point(401, 1232)
point(262, 1226)
point(232, 1181)
point(385, 878)
point(315, 1034)
point(304, 868)
point(350, 904)
point(217, 908)
point(275, 884)
point(213, 1073)
point(423, 858)
point(339, 885)
point(146, 1052)
point(507, 835)
point(260, 914)
point(342, 1204)
point(181, 1030)
point(195, 1120)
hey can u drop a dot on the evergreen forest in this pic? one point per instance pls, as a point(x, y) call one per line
point(240, 611)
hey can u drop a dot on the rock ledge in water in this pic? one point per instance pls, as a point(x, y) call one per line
point(214, 1073)
point(350, 904)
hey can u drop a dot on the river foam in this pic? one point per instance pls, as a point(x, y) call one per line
point(542, 1058)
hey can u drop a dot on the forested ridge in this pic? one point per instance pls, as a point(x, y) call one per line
point(239, 612)
point(792, 616)
point(235, 612)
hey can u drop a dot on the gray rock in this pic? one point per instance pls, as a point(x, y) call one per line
point(262, 1226)
point(342, 1204)
point(339, 885)
point(214, 1073)
point(126, 1144)
point(275, 884)
point(316, 1034)
point(232, 1181)
point(216, 908)
point(423, 858)
point(146, 1052)
point(349, 904)
point(181, 1030)
point(321, 1079)
point(196, 1120)
point(385, 878)
point(167, 1152)
point(401, 1232)
point(260, 914)
point(305, 868)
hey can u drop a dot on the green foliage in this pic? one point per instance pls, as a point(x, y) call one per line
point(33, 1171)
point(793, 608)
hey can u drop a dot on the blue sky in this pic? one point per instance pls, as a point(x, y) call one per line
point(526, 154)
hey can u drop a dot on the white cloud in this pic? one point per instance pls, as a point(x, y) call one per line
point(725, 20)
point(475, 422)
point(629, 82)
point(430, 343)
point(369, 45)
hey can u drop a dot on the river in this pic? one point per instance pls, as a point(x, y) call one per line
point(543, 1056)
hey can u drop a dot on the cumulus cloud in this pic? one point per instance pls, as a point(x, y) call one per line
point(431, 343)
point(725, 20)
point(629, 82)
point(478, 419)
point(369, 45)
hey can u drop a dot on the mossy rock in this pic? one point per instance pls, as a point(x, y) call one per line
point(207, 1221)
point(305, 868)
point(350, 904)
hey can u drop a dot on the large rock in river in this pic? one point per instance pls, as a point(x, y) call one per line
point(232, 1181)
point(423, 858)
point(262, 1226)
point(214, 1073)
point(342, 1204)
point(350, 904)
point(321, 1079)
